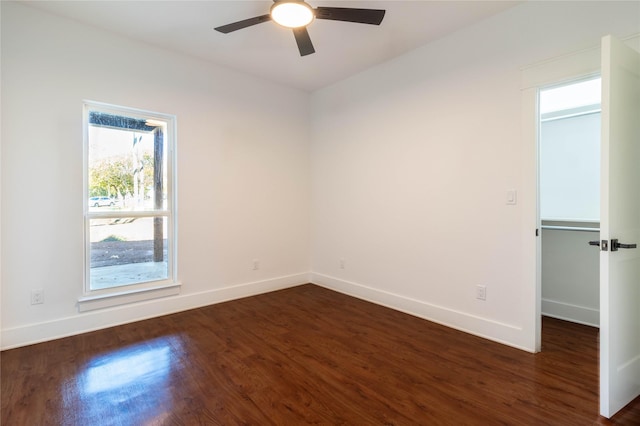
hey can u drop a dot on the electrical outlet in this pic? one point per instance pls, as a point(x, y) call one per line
point(256, 264)
point(37, 296)
point(342, 263)
point(481, 292)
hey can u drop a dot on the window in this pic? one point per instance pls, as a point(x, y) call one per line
point(129, 205)
point(570, 152)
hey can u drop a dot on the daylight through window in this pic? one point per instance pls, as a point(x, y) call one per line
point(129, 221)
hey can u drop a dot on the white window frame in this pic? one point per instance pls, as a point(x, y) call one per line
point(107, 297)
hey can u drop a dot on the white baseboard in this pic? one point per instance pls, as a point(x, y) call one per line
point(573, 313)
point(95, 320)
point(483, 327)
point(105, 318)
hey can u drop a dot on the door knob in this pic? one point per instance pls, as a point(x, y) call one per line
point(604, 246)
point(615, 245)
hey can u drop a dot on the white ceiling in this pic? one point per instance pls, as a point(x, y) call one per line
point(269, 51)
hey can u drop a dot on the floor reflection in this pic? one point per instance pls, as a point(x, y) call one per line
point(139, 365)
point(134, 381)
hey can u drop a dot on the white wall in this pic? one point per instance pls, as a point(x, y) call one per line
point(570, 189)
point(571, 274)
point(0, 172)
point(570, 168)
point(243, 172)
point(412, 160)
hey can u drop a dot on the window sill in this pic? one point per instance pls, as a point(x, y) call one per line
point(90, 303)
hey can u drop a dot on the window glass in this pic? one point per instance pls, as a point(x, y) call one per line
point(129, 192)
point(125, 251)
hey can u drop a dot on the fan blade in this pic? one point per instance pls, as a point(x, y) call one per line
point(243, 24)
point(361, 16)
point(304, 41)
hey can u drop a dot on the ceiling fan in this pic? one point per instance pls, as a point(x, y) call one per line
point(297, 14)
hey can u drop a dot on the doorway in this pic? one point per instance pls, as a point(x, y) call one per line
point(569, 200)
point(619, 65)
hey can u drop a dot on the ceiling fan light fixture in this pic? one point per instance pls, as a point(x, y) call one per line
point(292, 14)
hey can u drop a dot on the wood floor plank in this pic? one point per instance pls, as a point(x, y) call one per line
point(304, 355)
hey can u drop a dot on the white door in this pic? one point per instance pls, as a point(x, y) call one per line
point(620, 220)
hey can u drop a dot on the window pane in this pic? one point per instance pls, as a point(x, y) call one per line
point(127, 251)
point(127, 166)
point(129, 200)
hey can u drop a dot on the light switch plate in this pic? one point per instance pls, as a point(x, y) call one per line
point(512, 197)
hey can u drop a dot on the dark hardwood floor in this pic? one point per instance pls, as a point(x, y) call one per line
point(304, 355)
